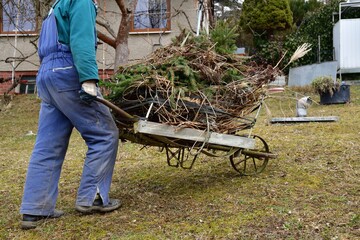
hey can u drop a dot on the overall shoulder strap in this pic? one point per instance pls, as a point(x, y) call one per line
point(52, 7)
point(56, 2)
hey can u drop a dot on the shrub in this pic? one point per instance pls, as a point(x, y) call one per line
point(325, 84)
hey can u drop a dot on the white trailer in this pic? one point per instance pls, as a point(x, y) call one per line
point(346, 38)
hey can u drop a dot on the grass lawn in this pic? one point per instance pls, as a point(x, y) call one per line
point(311, 191)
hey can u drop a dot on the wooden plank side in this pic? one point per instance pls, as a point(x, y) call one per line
point(193, 134)
point(304, 119)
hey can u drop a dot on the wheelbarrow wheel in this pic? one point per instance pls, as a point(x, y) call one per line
point(248, 164)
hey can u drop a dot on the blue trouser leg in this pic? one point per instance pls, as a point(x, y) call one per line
point(41, 187)
point(97, 128)
point(58, 85)
point(98, 166)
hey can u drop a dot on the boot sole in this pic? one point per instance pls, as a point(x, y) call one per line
point(96, 209)
point(26, 225)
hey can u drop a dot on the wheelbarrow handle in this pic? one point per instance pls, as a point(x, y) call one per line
point(116, 109)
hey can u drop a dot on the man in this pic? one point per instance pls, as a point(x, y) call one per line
point(67, 85)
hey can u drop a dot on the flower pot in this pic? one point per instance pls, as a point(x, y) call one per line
point(342, 95)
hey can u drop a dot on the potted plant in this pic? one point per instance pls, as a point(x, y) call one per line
point(331, 91)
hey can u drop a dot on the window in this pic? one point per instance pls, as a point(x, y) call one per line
point(18, 15)
point(151, 15)
point(27, 85)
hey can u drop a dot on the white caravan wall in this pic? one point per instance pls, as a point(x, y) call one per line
point(347, 45)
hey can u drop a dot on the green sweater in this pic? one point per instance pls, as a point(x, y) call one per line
point(76, 27)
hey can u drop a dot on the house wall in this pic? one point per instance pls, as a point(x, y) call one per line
point(141, 44)
point(25, 48)
point(6, 85)
point(7, 82)
point(183, 15)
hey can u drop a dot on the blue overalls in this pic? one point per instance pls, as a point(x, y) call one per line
point(61, 110)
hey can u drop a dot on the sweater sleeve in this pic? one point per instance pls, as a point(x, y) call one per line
point(82, 16)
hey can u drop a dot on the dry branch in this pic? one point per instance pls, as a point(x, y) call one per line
point(190, 85)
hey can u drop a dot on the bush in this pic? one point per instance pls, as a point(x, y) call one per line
point(325, 84)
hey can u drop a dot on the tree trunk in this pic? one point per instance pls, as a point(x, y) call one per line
point(121, 55)
point(13, 86)
point(210, 10)
point(121, 42)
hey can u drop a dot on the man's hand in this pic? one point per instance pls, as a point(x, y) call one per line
point(88, 91)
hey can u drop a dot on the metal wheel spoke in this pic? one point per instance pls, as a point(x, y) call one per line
point(259, 162)
point(254, 164)
point(241, 161)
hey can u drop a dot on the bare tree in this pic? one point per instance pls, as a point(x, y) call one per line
point(119, 40)
point(157, 14)
point(116, 39)
point(21, 17)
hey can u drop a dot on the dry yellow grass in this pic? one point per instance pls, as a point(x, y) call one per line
point(311, 191)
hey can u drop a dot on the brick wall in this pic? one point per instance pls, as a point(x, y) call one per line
point(6, 85)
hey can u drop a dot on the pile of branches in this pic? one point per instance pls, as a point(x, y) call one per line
point(188, 84)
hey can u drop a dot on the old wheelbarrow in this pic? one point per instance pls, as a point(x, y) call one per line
point(249, 154)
